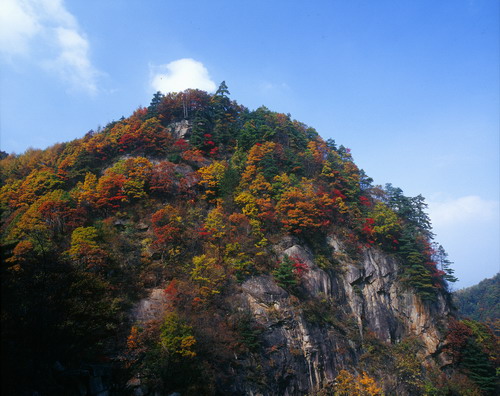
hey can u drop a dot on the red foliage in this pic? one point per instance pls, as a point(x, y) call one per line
point(203, 232)
point(76, 217)
point(172, 291)
point(239, 225)
point(181, 145)
point(126, 142)
point(457, 338)
point(163, 178)
point(111, 191)
point(299, 267)
point(167, 229)
point(165, 235)
point(338, 194)
point(367, 230)
point(365, 201)
point(55, 214)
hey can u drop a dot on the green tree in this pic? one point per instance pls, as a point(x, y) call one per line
point(441, 259)
point(417, 264)
point(412, 210)
point(284, 274)
point(153, 106)
point(478, 367)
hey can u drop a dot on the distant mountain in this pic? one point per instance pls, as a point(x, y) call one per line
point(480, 302)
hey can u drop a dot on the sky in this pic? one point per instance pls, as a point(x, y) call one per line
point(411, 87)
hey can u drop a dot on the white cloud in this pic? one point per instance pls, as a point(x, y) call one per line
point(47, 27)
point(468, 209)
point(469, 229)
point(56, 12)
point(181, 74)
point(18, 25)
point(73, 63)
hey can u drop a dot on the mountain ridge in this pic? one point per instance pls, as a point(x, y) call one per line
point(480, 302)
point(200, 247)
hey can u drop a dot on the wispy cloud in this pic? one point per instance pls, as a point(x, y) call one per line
point(468, 209)
point(54, 31)
point(18, 25)
point(267, 87)
point(181, 74)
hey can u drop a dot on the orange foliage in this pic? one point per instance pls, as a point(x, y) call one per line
point(350, 385)
point(256, 154)
point(301, 209)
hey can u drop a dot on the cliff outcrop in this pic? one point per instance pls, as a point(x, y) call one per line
point(307, 338)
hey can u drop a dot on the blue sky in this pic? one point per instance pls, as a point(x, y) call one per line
point(412, 87)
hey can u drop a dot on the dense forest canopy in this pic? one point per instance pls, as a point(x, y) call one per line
point(189, 194)
point(480, 302)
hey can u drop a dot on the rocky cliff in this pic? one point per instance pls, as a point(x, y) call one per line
point(347, 317)
point(308, 339)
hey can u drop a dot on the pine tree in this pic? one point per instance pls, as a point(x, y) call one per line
point(284, 274)
point(441, 259)
point(415, 272)
point(478, 367)
point(153, 106)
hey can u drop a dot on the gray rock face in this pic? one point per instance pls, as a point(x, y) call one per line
point(181, 129)
point(189, 176)
point(151, 307)
point(307, 344)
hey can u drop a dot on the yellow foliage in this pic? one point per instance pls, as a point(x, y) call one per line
point(138, 168)
point(260, 186)
point(138, 171)
point(82, 240)
point(176, 336)
point(85, 250)
point(247, 202)
point(187, 343)
point(215, 223)
point(207, 274)
point(347, 384)
point(21, 252)
point(211, 177)
point(9, 193)
point(368, 385)
point(328, 173)
point(88, 190)
point(342, 207)
point(134, 188)
point(387, 226)
point(315, 155)
point(36, 184)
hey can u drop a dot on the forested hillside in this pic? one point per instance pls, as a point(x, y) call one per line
point(200, 247)
point(480, 302)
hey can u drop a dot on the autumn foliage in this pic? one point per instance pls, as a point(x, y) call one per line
point(89, 225)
